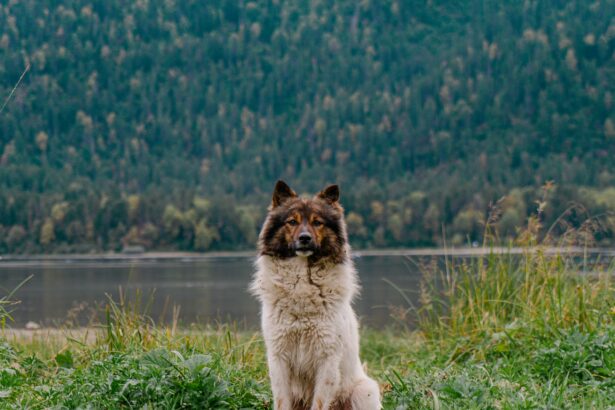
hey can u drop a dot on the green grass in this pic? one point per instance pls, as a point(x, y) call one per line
point(223, 368)
point(214, 370)
point(497, 332)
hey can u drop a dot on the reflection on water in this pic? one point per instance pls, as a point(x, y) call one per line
point(206, 290)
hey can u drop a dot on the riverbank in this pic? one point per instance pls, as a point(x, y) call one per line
point(196, 256)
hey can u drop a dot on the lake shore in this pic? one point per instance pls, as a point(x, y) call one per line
point(196, 256)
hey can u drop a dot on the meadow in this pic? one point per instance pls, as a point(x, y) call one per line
point(501, 331)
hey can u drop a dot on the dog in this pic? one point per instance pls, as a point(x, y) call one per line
point(305, 282)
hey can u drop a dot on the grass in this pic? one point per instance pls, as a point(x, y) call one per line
point(224, 368)
point(495, 332)
point(6, 302)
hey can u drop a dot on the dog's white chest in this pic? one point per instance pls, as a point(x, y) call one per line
point(300, 292)
point(295, 293)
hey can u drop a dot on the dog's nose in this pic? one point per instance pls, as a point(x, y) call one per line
point(305, 238)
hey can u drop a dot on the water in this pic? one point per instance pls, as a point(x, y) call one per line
point(206, 290)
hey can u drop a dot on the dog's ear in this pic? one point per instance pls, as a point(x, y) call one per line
point(331, 194)
point(281, 193)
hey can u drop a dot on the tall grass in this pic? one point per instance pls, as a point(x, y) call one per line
point(529, 328)
point(7, 301)
point(127, 322)
point(212, 367)
point(543, 289)
point(492, 293)
point(130, 361)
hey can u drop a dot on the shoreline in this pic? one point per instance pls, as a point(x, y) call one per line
point(158, 256)
point(197, 256)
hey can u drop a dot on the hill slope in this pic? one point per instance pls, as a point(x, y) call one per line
point(167, 123)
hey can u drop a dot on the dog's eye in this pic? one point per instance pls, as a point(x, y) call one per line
point(292, 222)
point(316, 223)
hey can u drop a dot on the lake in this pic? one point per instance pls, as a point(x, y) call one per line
point(206, 290)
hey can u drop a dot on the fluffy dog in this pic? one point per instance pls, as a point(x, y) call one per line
point(305, 281)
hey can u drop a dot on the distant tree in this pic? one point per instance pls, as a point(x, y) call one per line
point(204, 236)
point(16, 236)
point(47, 232)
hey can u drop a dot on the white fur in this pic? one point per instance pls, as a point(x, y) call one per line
point(311, 334)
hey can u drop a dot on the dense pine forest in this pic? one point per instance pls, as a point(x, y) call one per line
point(166, 123)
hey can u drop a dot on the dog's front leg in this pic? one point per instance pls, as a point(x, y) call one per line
point(326, 384)
point(280, 384)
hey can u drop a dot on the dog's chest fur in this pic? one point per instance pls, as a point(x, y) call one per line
point(303, 305)
point(299, 294)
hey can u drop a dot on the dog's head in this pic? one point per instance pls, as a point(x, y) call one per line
point(312, 228)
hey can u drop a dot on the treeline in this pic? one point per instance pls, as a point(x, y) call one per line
point(84, 221)
point(166, 123)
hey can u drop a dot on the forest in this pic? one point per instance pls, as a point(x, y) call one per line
point(165, 124)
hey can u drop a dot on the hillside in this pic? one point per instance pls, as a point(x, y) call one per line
point(166, 124)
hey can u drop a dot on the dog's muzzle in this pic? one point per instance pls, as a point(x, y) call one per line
point(304, 245)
